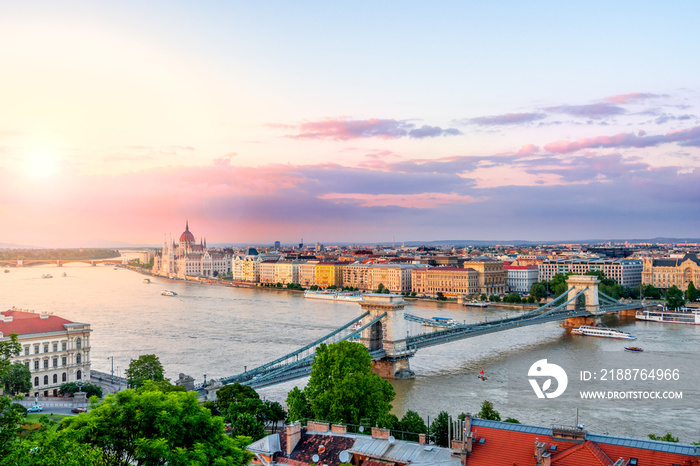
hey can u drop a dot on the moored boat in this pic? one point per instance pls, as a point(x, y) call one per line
point(168, 293)
point(682, 316)
point(476, 304)
point(333, 295)
point(147, 280)
point(47, 275)
point(634, 349)
point(603, 332)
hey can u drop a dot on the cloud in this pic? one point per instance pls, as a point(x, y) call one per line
point(411, 201)
point(505, 119)
point(623, 140)
point(528, 149)
point(225, 159)
point(632, 98)
point(595, 111)
point(344, 129)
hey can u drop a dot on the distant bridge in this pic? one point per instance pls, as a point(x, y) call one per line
point(61, 262)
point(383, 329)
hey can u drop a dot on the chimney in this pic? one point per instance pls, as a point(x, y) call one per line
point(539, 451)
point(44, 315)
point(293, 436)
point(7, 318)
point(378, 432)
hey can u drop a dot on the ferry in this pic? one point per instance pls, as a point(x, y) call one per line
point(168, 293)
point(47, 275)
point(603, 332)
point(476, 304)
point(333, 295)
point(445, 320)
point(682, 316)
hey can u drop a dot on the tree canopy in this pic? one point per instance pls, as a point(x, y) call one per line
point(342, 387)
point(17, 379)
point(156, 428)
point(146, 367)
point(674, 298)
point(691, 293)
point(488, 412)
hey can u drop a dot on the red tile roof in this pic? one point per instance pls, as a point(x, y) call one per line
point(587, 453)
point(26, 323)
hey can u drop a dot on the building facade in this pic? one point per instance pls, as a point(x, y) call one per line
point(521, 277)
point(329, 274)
point(493, 279)
point(54, 349)
point(626, 272)
point(448, 281)
point(665, 273)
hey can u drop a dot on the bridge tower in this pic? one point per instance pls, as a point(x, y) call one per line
point(578, 283)
point(20, 262)
point(388, 334)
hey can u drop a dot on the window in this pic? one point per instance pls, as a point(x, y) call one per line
point(36, 381)
point(63, 377)
point(78, 343)
point(36, 365)
point(27, 364)
point(63, 346)
point(78, 375)
point(26, 350)
point(55, 378)
point(36, 349)
point(55, 362)
point(46, 347)
point(77, 358)
point(63, 361)
point(46, 363)
point(55, 347)
point(46, 380)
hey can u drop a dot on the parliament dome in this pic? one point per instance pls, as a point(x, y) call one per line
point(187, 237)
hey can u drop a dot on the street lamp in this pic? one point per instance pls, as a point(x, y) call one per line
point(112, 358)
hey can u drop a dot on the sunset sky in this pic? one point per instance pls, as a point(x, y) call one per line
point(348, 121)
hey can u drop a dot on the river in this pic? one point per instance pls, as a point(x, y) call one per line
point(218, 330)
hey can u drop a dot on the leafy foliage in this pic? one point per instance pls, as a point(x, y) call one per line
point(155, 428)
point(47, 447)
point(146, 367)
point(666, 438)
point(8, 350)
point(674, 298)
point(17, 379)
point(512, 298)
point(237, 400)
point(691, 294)
point(10, 419)
point(412, 422)
point(342, 387)
point(70, 388)
point(488, 412)
point(439, 429)
point(538, 291)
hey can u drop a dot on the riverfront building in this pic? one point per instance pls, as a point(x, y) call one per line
point(54, 349)
point(493, 279)
point(521, 277)
point(626, 272)
point(664, 273)
point(447, 281)
point(397, 278)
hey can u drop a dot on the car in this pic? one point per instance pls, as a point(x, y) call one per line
point(79, 409)
point(35, 409)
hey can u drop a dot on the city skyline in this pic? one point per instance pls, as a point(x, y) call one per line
point(265, 122)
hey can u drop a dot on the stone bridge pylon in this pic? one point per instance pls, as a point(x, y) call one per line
point(578, 283)
point(389, 334)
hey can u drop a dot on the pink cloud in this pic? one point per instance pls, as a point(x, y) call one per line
point(631, 98)
point(345, 129)
point(506, 119)
point(414, 201)
point(528, 149)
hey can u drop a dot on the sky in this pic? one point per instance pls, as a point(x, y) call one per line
point(356, 122)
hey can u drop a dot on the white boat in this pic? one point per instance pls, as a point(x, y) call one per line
point(476, 304)
point(682, 316)
point(442, 321)
point(334, 295)
point(47, 275)
point(603, 332)
point(168, 293)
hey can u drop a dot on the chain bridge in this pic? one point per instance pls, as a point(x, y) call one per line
point(392, 336)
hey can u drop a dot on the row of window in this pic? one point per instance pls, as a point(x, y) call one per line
point(64, 344)
point(64, 360)
point(64, 378)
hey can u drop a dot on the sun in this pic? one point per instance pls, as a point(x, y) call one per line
point(41, 163)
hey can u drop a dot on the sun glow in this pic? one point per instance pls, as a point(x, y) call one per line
point(41, 163)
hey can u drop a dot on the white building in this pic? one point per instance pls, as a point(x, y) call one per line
point(521, 277)
point(54, 349)
point(626, 272)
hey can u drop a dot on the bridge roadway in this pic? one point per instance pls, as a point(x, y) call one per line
point(298, 364)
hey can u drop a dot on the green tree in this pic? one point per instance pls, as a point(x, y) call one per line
point(538, 291)
point(156, 428)
point(298, 405)
point(234, 394)
point(513, 298)
point(274, 413)
point(146, 367)
point(413, 423)
point(246, 425)
point(488, 412)
point(17, 379)
point(342, 387)
point(651, 292)
point(8, 350)
point(691, 294)
point(47, 447)
point(164, 386)
point(674, 298)
point(380, 288)
point(10, 420)
point(511, 420)
point(666, 438)
point(439, 429)
point(70, 388)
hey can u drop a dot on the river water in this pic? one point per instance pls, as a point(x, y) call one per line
point(218, 330)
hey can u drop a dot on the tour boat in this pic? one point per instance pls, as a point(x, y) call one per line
point(333, 295)
point(476, 304)
point(47, 275)
point(635, 349)
point(683, 316)
point(445, 321)
point(168, 293)
point(603, 332)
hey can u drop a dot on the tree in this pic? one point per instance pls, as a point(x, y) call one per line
point(691, 294)
point(674, 298)
point(380, 288)
point(342, 387)
point(155, 428)
point(245, 424)
point(511, 420)
point(17, 379)
point(234, 394)
point(413, 423)
point(439, 429)
point(48, 447)
point(146, 367)
point(10, 419)
point(538, 291)
point(513, 298)
point(666, 438)
point(8, 350)
point(488, 412)
point(651, 292)
point(71, 388)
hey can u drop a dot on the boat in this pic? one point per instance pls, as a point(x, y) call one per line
point(64, 274)
point(147, 280)
point(47, 275)
point(444, 321)
point(168, 293)
point(7, 270)
point(603, 332)
point(682, 316)
point(476, 304)
point(634, 349)
point(334, 295)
